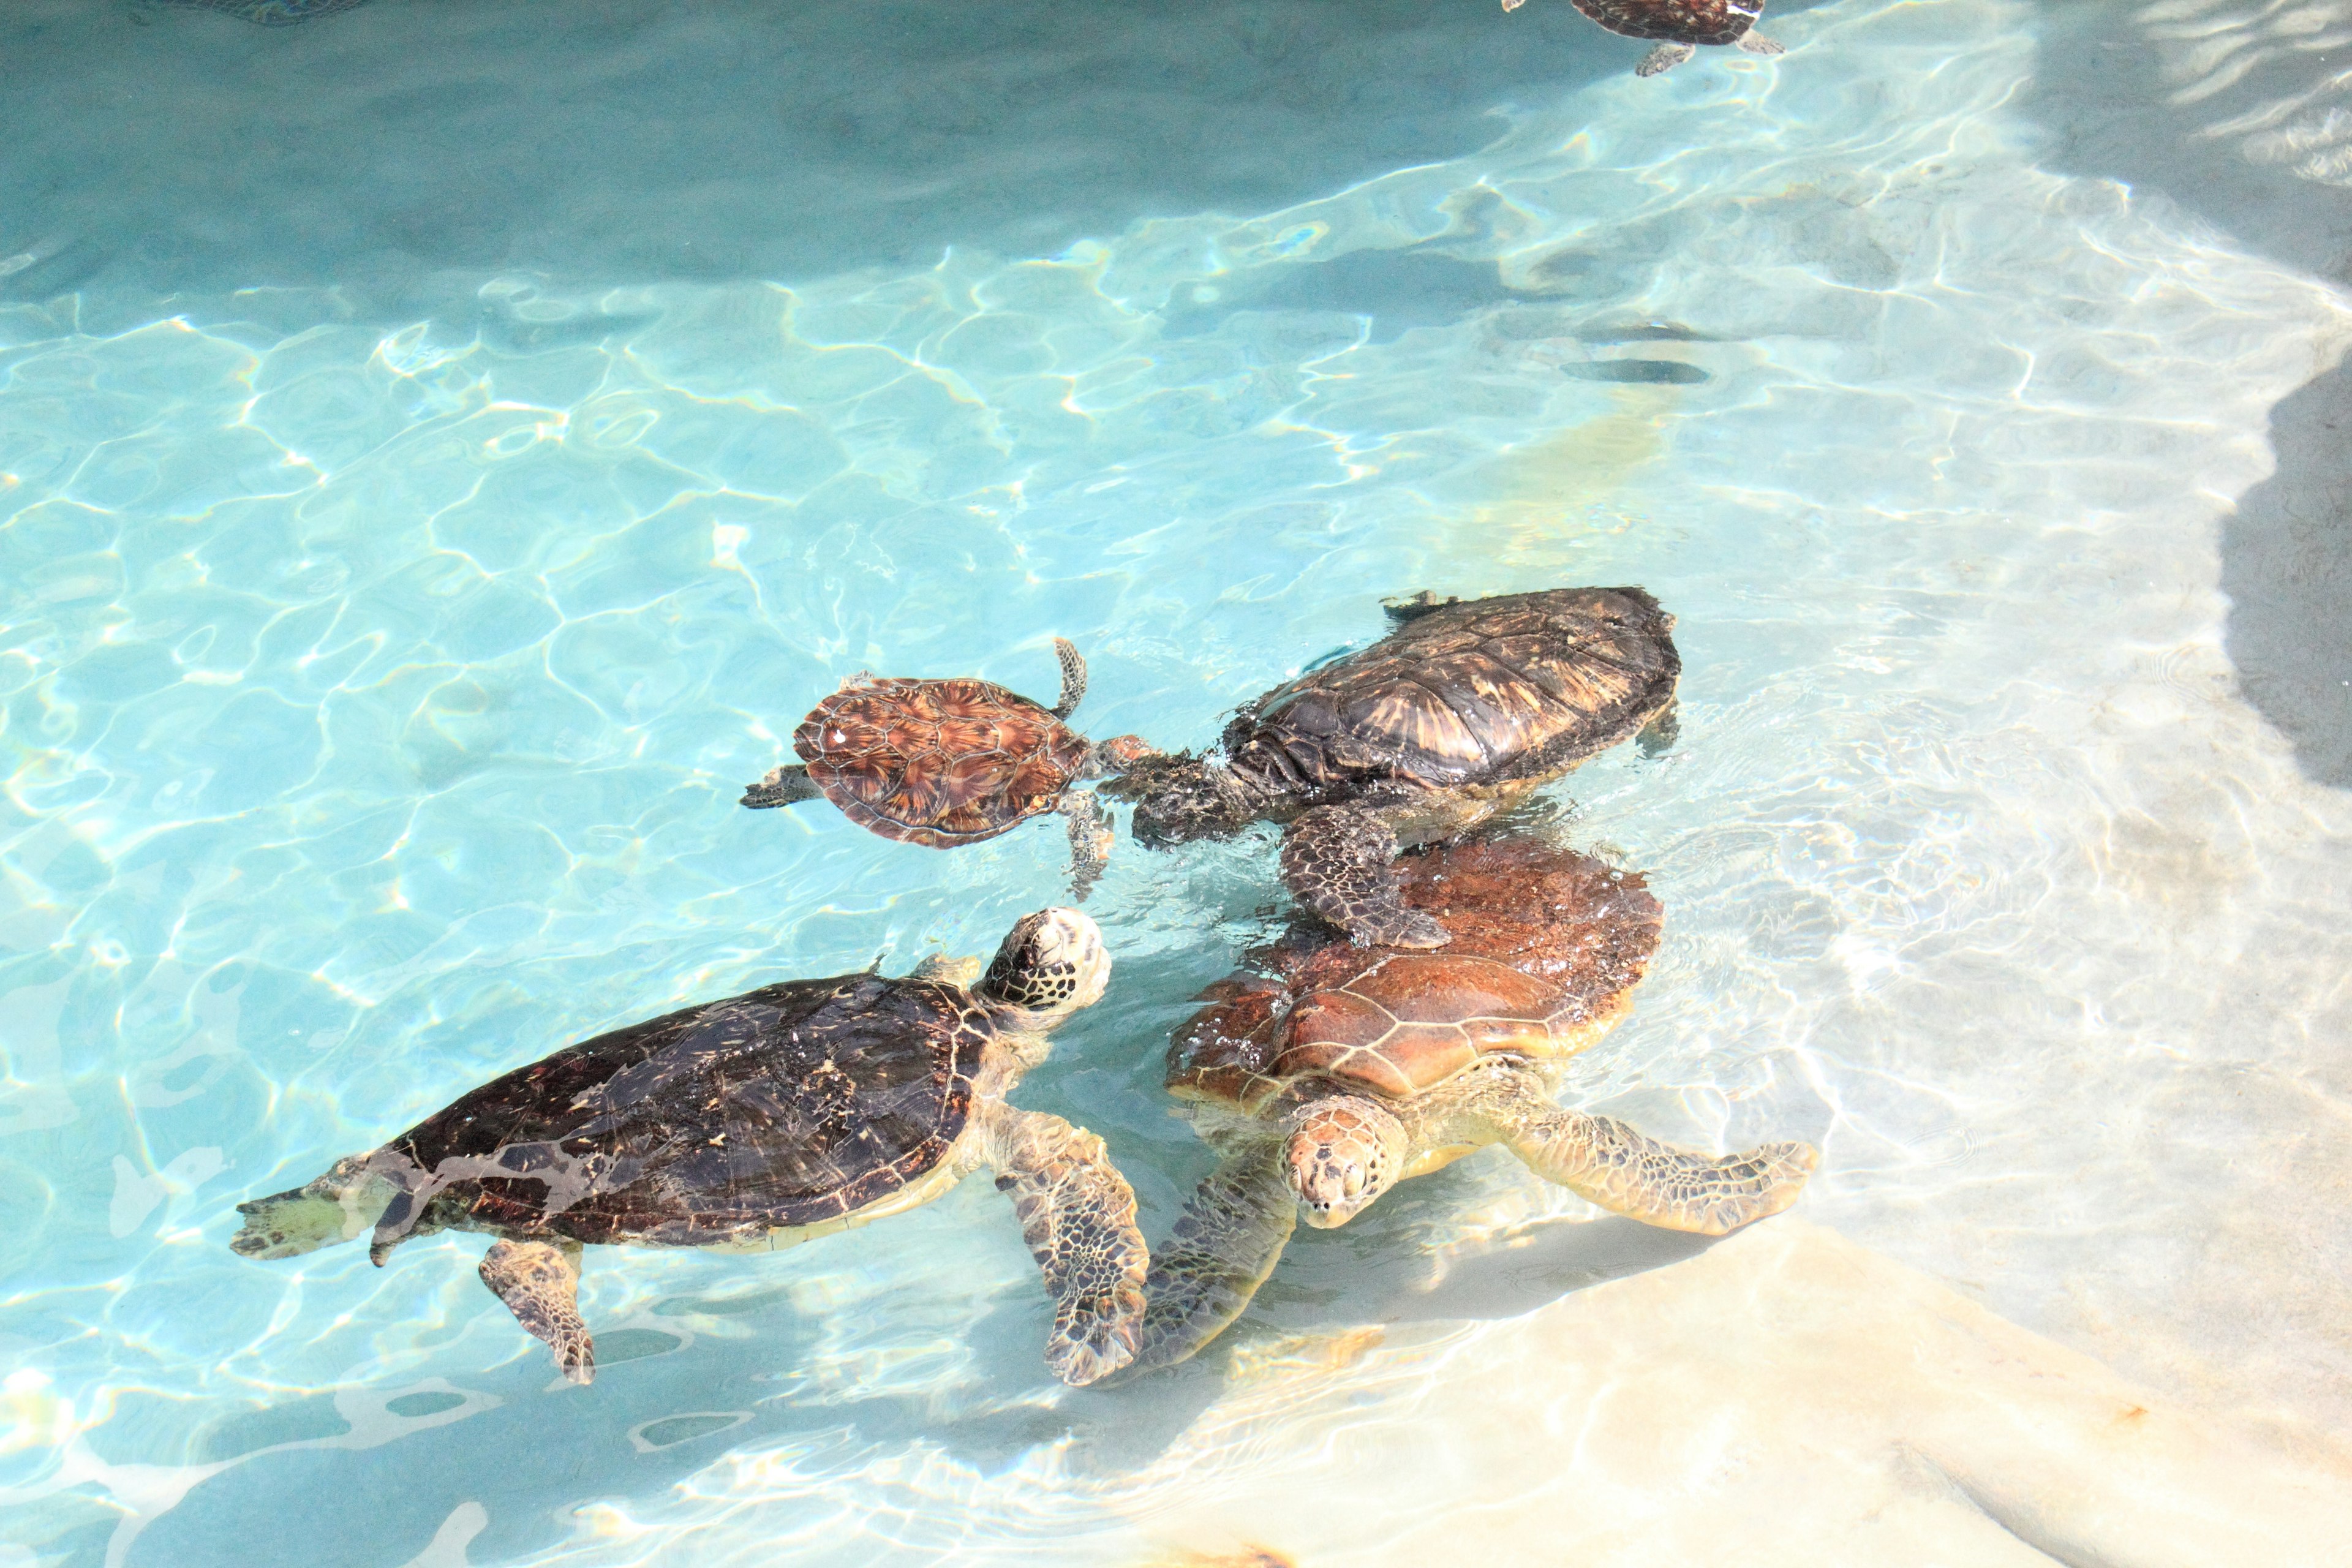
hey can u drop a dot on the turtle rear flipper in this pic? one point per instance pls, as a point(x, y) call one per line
point(1665, 57)
point(1077, 1215)
point(1341, 863)
point(1425, 602)
point(1626, 1172)
point(1657, 737)
point(1074, 678)
point(783, 786)
point(1225, 1243)
point(540, 1283)
point(1090, 840)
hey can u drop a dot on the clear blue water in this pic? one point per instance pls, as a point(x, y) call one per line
point(444, 451)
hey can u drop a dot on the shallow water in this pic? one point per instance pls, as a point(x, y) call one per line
point(442, 453)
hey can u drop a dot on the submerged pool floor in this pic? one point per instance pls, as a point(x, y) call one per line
point(442, 453)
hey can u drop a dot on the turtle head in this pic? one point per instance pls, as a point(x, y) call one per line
point(1180, 797)
point(1051, 964)
point(1344, 1151)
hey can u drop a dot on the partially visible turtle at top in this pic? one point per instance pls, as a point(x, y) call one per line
point(1456, 714)
point(1683, 25)
point(946, 762)
point(756, 1123)
point(1336, 1071)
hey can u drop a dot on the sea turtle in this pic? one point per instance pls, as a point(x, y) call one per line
point(1336, 1072)
point(1683, 25)
point(1455, 714)
point(945, 762)
point(756, 1123)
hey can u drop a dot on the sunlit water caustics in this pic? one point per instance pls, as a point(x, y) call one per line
point(445, 447)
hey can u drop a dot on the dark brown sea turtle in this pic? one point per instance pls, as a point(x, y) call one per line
point(756, 1123)
point(1683, 25)
point(1334, 1071)
point(947, 762)
point(1458, 712)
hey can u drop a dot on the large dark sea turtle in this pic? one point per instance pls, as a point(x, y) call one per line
point(756, 1123)
point(1681, 25)
point(1332, 1072)
point(1458, 712)
point(947, 762)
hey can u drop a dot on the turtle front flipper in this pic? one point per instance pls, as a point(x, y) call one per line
point(1225, 1243)
point(1757, 44)
point(540, 1283)
point(1604, 1161)
point(1339, 861)
point(783, 786)
point(1074, 678)
point(1090, 840)
point(341, 1206)
point(1077, 1214)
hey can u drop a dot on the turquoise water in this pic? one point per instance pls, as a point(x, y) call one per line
point(442, 453)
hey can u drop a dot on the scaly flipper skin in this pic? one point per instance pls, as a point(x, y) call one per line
point(1605, 1161)
point(342, 1205)
point(1090, 840)
point(1756, 44)
point(1074, 678)
point(540, 1283)
point(1338, 861)
point(1077, 1214)
point(1344, 1152)
point(1665, 57)
point(783, 786)
point(1225, 1243)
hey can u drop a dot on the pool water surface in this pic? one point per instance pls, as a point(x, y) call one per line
point(443, 451)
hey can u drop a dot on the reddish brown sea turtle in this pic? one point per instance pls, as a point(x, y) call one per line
point(758, 1122)
point(1681, 25)
point(948, 763)
point(1454, 715)
point(1336, 1072)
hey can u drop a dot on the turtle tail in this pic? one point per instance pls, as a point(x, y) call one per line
point(341, 1206)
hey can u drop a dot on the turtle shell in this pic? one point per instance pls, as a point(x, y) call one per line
point(1676, 21)
point(786, 1106)
point(1523, 686)
point(941, 763)
point(1547, 945)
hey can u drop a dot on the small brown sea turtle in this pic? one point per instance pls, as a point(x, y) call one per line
point(1452, 717)
point(1683, 25)
point(947, 762)
point(1336, 1071)
point(756, 1123)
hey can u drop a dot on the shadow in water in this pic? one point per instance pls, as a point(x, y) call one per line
point(648, 1424)
point(2214, 145)
point(2286, 564)
point(165, 149)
